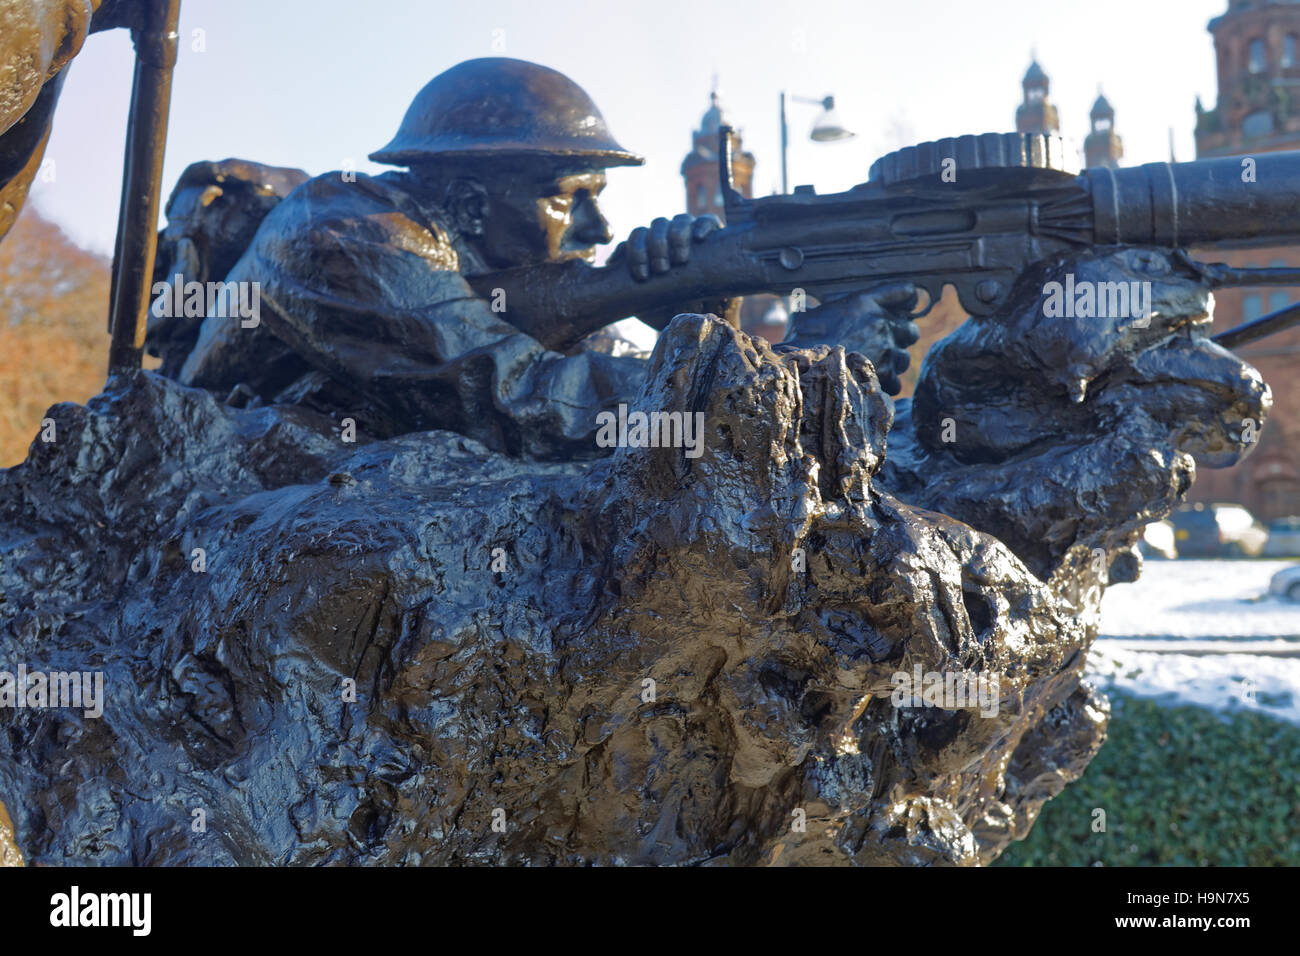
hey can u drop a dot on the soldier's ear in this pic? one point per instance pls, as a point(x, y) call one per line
point(466, 202)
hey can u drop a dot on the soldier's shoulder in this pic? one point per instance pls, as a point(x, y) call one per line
point(352, 208)
point(341, 194)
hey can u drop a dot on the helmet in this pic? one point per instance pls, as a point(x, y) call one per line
point(497, 106)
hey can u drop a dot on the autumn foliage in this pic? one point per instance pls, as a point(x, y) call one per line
point(53, 338)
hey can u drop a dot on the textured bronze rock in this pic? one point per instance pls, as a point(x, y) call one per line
point(501, 618)
point(1060, 426)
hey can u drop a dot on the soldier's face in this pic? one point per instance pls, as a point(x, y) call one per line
point(551, 219)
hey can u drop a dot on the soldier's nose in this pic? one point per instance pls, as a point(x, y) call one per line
point(589, 225)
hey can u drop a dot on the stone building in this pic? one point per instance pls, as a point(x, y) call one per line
point(1037, 114)
point(1102, 147)
point(700, 167)
point(1255, 44)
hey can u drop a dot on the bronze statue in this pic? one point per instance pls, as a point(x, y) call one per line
point(430, 645)
point(212, 215)
point(366, 311)
point(368, 307)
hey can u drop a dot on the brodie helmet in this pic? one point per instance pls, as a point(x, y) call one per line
point(496, 106)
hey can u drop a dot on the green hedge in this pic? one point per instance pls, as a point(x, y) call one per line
point(1180, 786)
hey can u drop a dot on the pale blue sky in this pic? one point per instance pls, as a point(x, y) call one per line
point(316, 83)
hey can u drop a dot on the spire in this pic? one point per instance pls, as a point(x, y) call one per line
point(700, 167)
point(713, 118)
point(1035, 114)
point(1101, 109)
point(1035, 77)
point(1102, 147)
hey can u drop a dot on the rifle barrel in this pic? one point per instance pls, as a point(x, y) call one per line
point(1235, 202)
point(1223, 277)
point(1265, 325)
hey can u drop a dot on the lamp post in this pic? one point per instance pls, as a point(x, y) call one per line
point(826, 129)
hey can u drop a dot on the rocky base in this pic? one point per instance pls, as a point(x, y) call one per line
point(417, 651)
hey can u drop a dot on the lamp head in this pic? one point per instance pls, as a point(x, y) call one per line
point(828, 127)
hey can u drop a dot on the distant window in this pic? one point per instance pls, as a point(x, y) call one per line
point(1279, 264)
point(1252, 307)
point(1258, 60)
point(1102, 125)
point(1278, 300)
point(1257, 124)
point(701, 195)
point(1035, 94)
point(1288, 50)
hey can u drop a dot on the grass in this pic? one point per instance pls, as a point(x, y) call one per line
point(1180, 786)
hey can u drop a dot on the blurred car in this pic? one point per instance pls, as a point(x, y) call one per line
point(1217, 531)
point(1157, 541)
point(1283, 538)
point(1286, 583)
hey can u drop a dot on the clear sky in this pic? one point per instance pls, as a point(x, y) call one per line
point(319, 83)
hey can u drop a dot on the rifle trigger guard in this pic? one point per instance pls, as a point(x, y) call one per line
point(929, 307)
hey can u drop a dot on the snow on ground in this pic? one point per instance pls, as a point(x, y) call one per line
point(1201, 600)
point(1223, 682)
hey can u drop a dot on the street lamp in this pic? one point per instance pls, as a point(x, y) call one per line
point(826, 129)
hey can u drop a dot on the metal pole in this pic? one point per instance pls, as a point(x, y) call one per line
point(1271, 324)
point(785, 145)
point(137, 226)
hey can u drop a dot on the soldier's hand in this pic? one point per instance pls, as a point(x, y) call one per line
point(876, 323)
point(665, 244)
